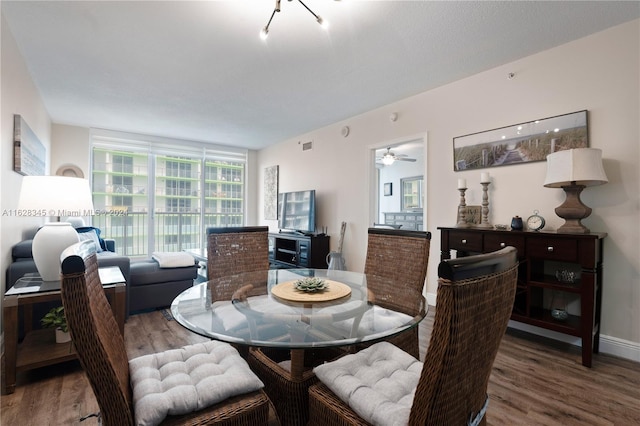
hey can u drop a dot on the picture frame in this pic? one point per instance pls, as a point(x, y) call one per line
point(472, 215)
point(271, 193)
point(469, 217)
point(29, 154)
point(521, 143)
point(388, 189)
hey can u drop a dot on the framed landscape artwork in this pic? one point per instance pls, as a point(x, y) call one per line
point(28, 152)
point(521, 143)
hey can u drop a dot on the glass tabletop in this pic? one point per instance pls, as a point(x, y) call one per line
point(266, 308)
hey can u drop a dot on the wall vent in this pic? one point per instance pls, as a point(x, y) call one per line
point(306, 146)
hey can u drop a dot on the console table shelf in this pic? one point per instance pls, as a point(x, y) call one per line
point(543, 256)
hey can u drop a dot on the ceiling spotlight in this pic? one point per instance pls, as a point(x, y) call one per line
point(265, 31)
point(322, 23)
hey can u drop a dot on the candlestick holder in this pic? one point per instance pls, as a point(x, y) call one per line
point(462, 211)
point(485, 206)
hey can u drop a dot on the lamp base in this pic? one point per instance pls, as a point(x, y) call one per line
point(47, 246)
point(573, 211)
point(573, 227)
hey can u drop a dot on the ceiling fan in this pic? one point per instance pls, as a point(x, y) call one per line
point(389, 157)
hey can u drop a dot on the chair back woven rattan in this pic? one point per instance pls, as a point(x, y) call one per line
point(471, 318)
point(235, 250)
point(398, 260)
point(102, 352)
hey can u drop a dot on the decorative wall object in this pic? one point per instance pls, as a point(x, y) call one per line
point(271, 193)
point(29, 155)
point(388, 189)
point(69, 170)
point(521, 143)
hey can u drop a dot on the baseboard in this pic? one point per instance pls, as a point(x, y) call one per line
point(608, 345)
point(431, 299)
point(620, 348)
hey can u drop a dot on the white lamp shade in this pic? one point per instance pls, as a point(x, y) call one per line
point(580, 166)
point(54, 196)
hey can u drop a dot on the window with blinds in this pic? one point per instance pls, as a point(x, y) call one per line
point(158, 194)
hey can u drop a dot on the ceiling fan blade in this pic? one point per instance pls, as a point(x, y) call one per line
point(405, 159)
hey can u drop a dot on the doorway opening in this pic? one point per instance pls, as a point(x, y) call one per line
point(398, 184)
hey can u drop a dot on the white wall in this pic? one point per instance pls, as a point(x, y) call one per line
point(599, 73)
point(19, 96)
point(63, 137)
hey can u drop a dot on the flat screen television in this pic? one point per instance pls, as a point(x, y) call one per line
point(297, 211)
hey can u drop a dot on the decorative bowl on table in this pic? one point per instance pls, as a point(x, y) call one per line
point(311, 285)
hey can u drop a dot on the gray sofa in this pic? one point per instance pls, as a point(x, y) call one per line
point(152, 287)
point(148, 285)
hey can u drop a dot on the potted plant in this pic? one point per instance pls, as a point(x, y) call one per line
point(55, 318)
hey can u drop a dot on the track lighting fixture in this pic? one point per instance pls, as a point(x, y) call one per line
point(265, 31)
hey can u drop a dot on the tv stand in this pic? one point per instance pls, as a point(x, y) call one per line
point(294, 249)
point(292, 232)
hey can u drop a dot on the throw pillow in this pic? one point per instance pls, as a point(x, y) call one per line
point(92, 234)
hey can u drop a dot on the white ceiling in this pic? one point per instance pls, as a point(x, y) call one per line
point(199, 71)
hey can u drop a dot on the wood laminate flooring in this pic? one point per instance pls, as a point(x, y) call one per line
point(534, 382)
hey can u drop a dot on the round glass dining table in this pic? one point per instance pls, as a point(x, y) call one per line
point(268, 309)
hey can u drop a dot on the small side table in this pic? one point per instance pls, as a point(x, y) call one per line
point(200, 255)
point(38, 348)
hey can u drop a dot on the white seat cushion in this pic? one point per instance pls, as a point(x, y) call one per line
point(378, 382)
point(180, 381)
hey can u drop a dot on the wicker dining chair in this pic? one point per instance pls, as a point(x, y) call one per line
point(475, 299)
point(396, 260)
point(235, 250)
point(128, 391)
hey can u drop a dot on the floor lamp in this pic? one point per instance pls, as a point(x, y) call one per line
point(573, 170)
point(54, 196)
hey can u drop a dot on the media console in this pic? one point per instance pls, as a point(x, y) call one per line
point(296, 250)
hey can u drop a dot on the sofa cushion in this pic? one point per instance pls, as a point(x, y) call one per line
point(144, 272)
point(176, 259)
point(181, 381)
point(22, 250)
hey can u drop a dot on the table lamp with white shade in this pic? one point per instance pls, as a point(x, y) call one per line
point(54, 196)
point(573, 170)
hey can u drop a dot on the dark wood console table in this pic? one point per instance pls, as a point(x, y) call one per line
point(552, 265)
